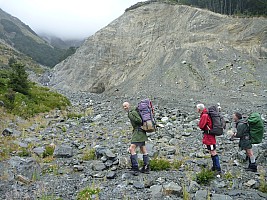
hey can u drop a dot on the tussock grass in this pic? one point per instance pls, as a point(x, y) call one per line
point(88, 193)
point(7, 146)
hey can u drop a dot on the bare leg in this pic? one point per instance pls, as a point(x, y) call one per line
point(143, 150)
point(132, 149)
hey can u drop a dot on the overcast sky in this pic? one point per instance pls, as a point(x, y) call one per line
point(68, 19)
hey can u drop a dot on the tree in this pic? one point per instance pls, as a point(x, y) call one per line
point(19, 79)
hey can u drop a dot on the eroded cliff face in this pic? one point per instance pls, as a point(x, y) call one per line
point(162, 48)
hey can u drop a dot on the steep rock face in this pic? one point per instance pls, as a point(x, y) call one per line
point(164, 49)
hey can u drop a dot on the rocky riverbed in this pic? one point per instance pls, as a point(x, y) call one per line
point(98, 122)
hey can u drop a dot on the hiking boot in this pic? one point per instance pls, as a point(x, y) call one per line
point(216, 167)
point(145, 169)
point(217, 172)
point(134, 171)
point(252, 167)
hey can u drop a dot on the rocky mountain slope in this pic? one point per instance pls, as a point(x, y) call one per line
point(102, 125)
point(160, 49)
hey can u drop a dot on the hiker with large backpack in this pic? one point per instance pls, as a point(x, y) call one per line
point(250, 132)
point(206, 125)
point(138, 139)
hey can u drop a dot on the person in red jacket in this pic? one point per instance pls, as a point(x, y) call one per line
point(205, 124)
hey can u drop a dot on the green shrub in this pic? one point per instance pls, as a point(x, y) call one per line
point(87, 193)
point(228, 176)
point(159, 164)
point(24, 152)
point(24, 98)
point(39, 100)
point(53, 168)
point(89, 154)
point(74, 115)
point(49, 197)
point(177, 164)
point(19, 78)
point(263, 184)
point(186, 195)
point(49, 151)
point(7, 146)
point(205, 176)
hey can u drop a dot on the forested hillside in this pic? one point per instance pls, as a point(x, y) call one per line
point(229, 7)
point(20, 37)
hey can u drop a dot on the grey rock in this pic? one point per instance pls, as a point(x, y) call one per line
point(103, 151)
point(98, 166)
point(99, 175)
point(172, 188)
point(39, 150)
point(200, 155)
point(156, 191)
point(250, 183)
point(27, 167)
point(109, 163)
point(21, 144)
point(78, 168)
point(186, 134)
point(63, 151)
point(126, 176)
point(138, 185)
point(174, 141)
point(152, 151)
point(193, 187)
point(104, 158)
point(219, 184)
point(236, 163)
point(201, 195)
point(124, 162)
point(220, 197)
point(82, 146)
point(97, 117)
point(170, 150)
point(111, 175)
point(115, 162)
point(16, 133)
point(164, 120)
point(23, 179)
point(7, 132)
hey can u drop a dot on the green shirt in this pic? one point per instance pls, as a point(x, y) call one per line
point(138, 134)
point(243, 133)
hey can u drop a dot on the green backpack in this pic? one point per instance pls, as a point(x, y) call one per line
point(256, 128)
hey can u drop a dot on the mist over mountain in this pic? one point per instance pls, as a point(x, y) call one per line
point(60, 43)
point(23, 39)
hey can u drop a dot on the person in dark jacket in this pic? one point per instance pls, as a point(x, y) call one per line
point(242, 132)
point(138, 140)
point(205, 124)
